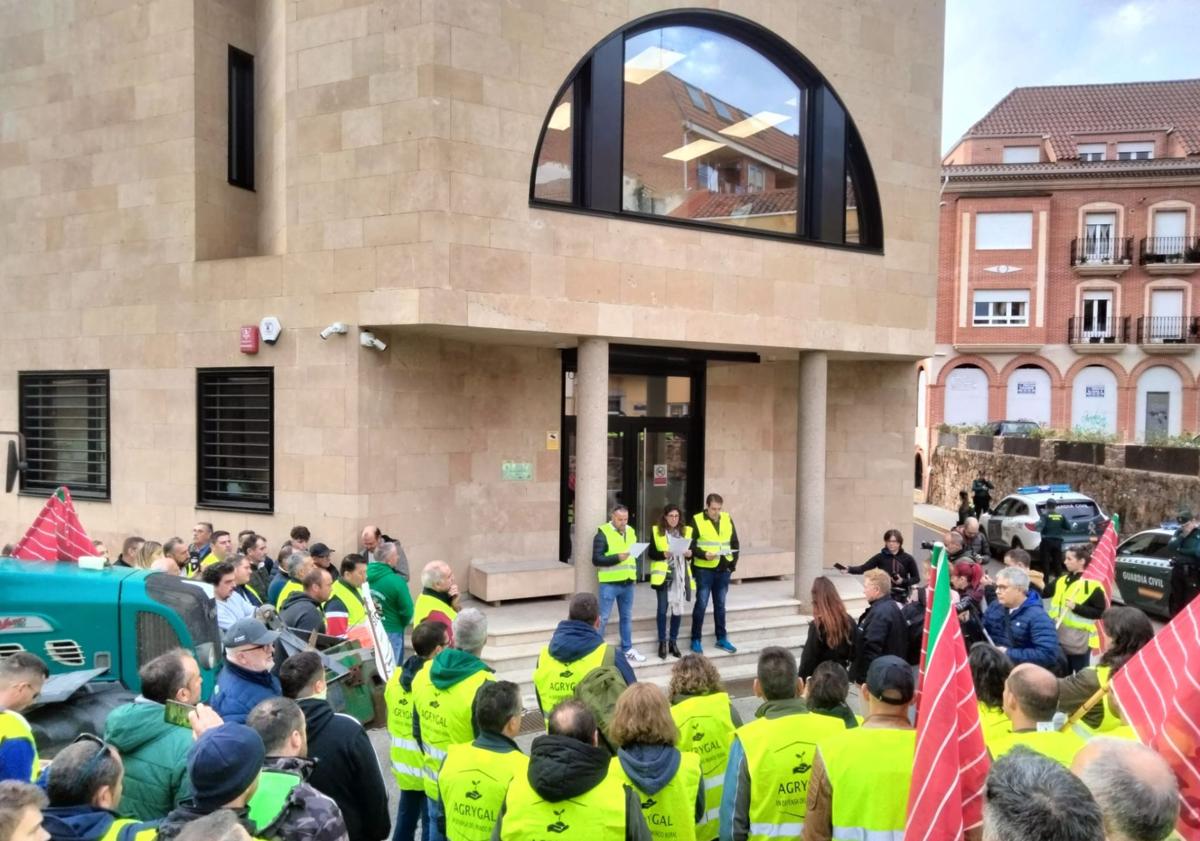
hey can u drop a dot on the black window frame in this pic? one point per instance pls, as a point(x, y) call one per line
point(240, 152)
point(99, 430)
point(830, 145)
point(213, 377)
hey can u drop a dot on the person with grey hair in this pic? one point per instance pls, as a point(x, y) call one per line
point(439, 597)
point(288, 577)
point(221, 825)
point(1031, 635)
point(1032, 798)
point(390, 591)
point(470, 631)
point(1135, 788)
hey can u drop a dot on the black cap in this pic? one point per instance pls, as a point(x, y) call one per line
point(248, 632)
point(890, 679)
point(1051, 504)
point(223, 763)
point(319, 550)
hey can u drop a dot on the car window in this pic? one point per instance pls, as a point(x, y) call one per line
point(1075, 510)
point(1004, 507)
point(1019, 509)
point(1148, 545)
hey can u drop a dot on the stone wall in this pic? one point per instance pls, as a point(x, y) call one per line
point(1143, 499)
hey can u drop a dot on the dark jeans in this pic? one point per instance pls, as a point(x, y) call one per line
point(982, 505)
point(709, 581)
point(1185, 583)
point(1078, 662)
point(661, 617)
point(1051, 554)
point(412, 810)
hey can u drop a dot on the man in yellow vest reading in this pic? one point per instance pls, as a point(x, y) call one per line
point(616, 566)
point(21, 678)
point(714, 558)
point(569, 791)
point(475, 776)
point(861, 777)
point(765, 792)
point(574, 650)
point(1030, 702)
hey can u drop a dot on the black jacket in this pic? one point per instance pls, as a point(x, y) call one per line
point(881, 630)
point(561, 767)
point(186, 812)
point(302, 614)
point(901, 567)
point(817, 649)
point(347, 770)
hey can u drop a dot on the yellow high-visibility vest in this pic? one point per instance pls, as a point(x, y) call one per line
point(710, 539)
point(870, 773)
point(706, 729)
point(595, 814)
point(408, 762)
point(625, 570)
point(1078, 592)
point(472, 783)
point(670, 812)
point(660, 568)
point(556, 680)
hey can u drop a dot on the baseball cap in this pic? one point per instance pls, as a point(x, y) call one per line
point(319, 550)
point(248, 632)
point(223, 763)
point(890, 679)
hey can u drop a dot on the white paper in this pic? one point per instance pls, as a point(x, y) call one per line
point(678, 545)
point(636, 550)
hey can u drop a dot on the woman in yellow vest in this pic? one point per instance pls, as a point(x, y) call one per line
point(990, 668)
point(706, 719)
point(1075, 603)
point(1127, 630)
point(665, 779)
point(670, 578)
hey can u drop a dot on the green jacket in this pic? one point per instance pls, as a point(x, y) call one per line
point(1053, 524)
point(1187, 546)
point(390, 591)
point(155, 755)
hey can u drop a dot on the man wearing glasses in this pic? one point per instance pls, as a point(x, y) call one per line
point(21, 678)
point(246, 677)
point(84, 786)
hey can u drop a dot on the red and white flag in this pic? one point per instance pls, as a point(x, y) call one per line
point(1103, 566)
point(1158, 692)
point(951, 763)
point(56, 534)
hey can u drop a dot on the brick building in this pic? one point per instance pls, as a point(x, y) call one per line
point(1067, 262)
point(609, 251)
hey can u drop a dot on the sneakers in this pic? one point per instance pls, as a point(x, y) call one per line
point(726, 645)
point(635, 656)
point(696, 647)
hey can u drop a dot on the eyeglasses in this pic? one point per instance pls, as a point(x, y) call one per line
point(101, 752)
point(1000, 587)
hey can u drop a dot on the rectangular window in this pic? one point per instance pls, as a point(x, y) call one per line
point(241, 119)
point(64, 418)
point(1021, 154)
point(1141, 150)
point(235, 431)
point(1001, 308)
point(756, 179)
point(1003, 231)
point(722, 109)
point(1091, 151)
point(696, 96)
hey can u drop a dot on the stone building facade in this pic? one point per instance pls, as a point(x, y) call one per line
point(392, 159)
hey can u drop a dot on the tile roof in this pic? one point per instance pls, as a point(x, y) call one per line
point(727, 205)
point(1073, 168)
point(1064, 111)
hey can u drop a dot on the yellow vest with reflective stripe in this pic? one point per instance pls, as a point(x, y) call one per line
point(1111, 720)
point(706, 729)
point(556, 680)
point(14, 726)
point(1078, 591)
point(356, 611)
point(445, 716)
point(148, 833)
point(993, 723)
point(594, 815)
point(408, 763)
point(427, 604)
point(671, 811)
point(625, 570)
point(660, 568)
point(779, 758)
point(288, 588)
point(472, 784)
point(710, 539)
point(1059, 746)
point(870, 772)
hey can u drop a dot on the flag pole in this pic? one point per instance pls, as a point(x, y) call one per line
point(1097, 696)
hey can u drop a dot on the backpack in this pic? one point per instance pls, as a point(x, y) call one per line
point(599, 691)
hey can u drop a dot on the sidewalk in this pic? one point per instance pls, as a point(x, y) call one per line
point(932, 517)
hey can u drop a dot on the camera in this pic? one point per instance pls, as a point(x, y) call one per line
point(367, 339)
point(926, 544)
point(336, 327)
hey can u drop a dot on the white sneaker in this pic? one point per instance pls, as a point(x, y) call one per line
point(635, 656)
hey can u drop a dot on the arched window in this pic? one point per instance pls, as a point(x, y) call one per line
point(707, 119)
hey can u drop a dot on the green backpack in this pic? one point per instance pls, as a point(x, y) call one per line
point(599, 691)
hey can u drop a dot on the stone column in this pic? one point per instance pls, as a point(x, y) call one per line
point(591, 456)
point(810, 472)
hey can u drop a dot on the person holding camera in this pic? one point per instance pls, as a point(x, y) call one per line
point(892, 559)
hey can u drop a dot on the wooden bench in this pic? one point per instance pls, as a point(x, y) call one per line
point(764, 562)
point(498, 581)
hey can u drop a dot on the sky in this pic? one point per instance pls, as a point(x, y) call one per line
point(993, 47)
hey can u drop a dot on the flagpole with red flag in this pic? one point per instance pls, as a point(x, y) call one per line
point(951, 763)
point(56, 534)
point(1158, 693)
point(1103, 568)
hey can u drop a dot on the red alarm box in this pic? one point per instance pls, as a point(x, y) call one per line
point(249, 340)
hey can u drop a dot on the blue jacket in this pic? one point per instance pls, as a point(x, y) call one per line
point(1032, 637)
point(239, 691)
point(84, 823)
point(995, 617)
point(573, 639)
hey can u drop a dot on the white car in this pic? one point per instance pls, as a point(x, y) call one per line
point(1012, 524)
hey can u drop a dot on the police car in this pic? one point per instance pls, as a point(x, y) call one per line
point(1012, 524)
point(1144, 570)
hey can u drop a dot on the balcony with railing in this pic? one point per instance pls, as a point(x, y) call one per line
point(1098, 335)
point(1101, 257)
point(1168, 334)
point(1170, 255)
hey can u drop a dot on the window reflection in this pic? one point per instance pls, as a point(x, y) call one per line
point(712, 131)
point(638, 396)
point(853, 226)
point(552, 181)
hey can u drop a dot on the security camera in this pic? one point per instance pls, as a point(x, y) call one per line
point(367, 339)
point(336, 327)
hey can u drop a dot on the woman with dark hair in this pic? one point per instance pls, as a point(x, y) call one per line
point(831, 632)
point(826, 692)
point(1075, 603)
point(670, 578)
point(965, 578)
point(893, 560)
point(1128, 630)
point(990, 668)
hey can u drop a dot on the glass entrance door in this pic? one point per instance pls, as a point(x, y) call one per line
point(661, 478)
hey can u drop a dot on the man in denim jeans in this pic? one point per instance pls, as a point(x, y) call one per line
point(617, 570)
point(714, 557)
